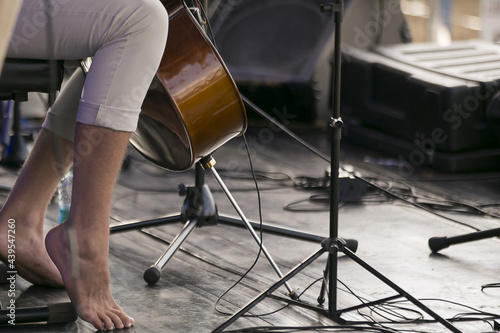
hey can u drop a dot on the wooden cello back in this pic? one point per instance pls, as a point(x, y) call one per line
point(193, 105)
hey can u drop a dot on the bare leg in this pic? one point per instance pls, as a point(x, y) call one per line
point(80, 246)
point(27, 204)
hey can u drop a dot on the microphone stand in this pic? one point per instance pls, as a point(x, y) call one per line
point(333, 245)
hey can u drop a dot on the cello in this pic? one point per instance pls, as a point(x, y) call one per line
point(193, 105)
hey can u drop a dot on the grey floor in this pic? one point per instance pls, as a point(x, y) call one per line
point(200, 286)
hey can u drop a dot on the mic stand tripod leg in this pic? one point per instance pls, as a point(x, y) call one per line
point(352, 245)
point(439, 243)
point(326, 275)
point(401, 291)
point(270, 290)
point(333, 247)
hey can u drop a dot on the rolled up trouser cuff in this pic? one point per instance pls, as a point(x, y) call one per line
point(118, 119)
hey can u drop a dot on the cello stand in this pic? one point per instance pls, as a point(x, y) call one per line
point(333, 245)
point(199, 209)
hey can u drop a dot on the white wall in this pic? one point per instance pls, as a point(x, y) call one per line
point(490, 16)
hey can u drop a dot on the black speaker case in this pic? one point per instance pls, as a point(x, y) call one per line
point(399, 108)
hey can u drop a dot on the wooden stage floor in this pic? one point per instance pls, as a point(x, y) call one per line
point(200, 286)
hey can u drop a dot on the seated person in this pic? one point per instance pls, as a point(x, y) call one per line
point(88, 126)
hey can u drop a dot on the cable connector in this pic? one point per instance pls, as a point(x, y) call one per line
point(336, 123)
point(207, 162)
point(197, 14)
point(332, 7)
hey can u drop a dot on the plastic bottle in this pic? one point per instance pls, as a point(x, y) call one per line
point(64, 195)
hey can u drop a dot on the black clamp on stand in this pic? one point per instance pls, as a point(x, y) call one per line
point(333, 245)
point(199, 209)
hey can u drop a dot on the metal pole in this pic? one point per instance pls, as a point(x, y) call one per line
point(250, 229)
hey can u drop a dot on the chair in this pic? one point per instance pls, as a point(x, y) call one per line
point(18, 78)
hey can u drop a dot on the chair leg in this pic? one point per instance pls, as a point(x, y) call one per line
point(15, 152)
point(7, 112)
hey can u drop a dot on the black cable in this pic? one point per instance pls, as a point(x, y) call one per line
point(374, 308)
point(291, 329)
point(490, 285)
point(146, 189)
point(457, 317)
point(260, 234)
point(408, 196)
point(284, 306)
point(390, 307)
point(322, 200)
point(275, 176)
point(210, 33)
point(407, 192)
point(280, 178)
point(260, 247)
point(454, 178)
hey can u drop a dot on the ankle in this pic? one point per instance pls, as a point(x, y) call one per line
point(79, 245)
point(31, 219)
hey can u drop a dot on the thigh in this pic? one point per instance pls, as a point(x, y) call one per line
point(126, 39)
point(75, 29)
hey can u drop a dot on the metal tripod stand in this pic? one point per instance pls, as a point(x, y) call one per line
point(333, 245)
point(199, 209)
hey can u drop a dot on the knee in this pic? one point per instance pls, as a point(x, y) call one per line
point(155, 17)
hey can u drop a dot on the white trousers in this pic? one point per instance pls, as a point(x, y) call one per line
point(126, 39)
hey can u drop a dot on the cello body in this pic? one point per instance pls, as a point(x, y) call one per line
point(193, 105)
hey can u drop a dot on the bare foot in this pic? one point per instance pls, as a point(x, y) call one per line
point(27, 252)
point(87, 279)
